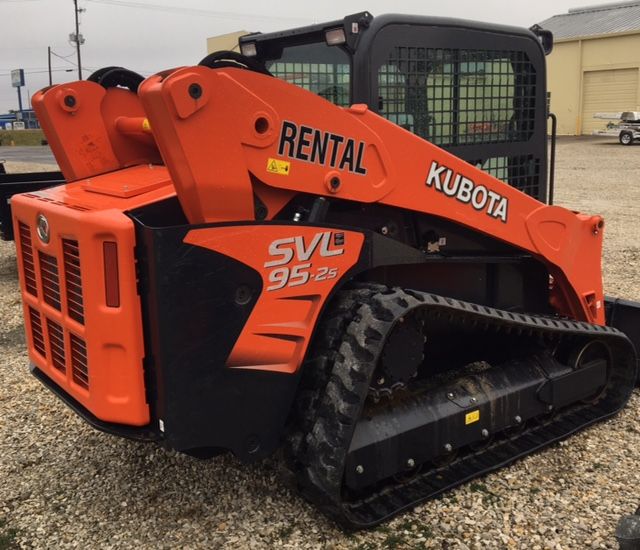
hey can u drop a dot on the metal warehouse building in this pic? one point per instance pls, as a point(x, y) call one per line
point(594, 64)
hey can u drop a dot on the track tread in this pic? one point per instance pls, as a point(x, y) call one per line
point(349, 343)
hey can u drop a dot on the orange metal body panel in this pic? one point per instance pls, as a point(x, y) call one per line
point(107, 342)
point(92, 130)
point(280, 326)
point(234, 128)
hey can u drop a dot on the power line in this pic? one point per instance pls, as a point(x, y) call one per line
point(59, 69)
point(196, 11)
point(65, 59)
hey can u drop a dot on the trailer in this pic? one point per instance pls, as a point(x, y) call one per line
point(626, 128)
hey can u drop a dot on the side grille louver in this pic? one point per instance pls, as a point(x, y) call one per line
point(79, 366)
point(73, 280)
point(50, 279)
point(37, 337)
point(48, 335)
point(28, 267)
point(56, 345)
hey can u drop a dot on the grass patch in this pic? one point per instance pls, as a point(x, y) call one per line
point(7, 536)
point(21, 137)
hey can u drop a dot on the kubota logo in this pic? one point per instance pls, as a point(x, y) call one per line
point(446, 181)
point(325, 243)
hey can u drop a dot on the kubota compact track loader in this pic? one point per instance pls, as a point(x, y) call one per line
point(339, 242)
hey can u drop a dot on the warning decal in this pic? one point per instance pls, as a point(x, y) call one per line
point(276, 166)
point(472, 417)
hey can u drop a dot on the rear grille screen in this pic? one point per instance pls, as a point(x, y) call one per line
point(50, 279)
point(73, 280)
point(65, 351)
point(37, 337)
point(79, 367)
point(56, 345)
point(456, 96)
point(522, 172)
point(28, 267)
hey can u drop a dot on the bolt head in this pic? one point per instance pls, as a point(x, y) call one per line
point(448, 447)
point(518, 419)
point(411, 463)
point(450, 395)
point(359, 469)
point(485, 433)
point(380, 381)
point(473, 400)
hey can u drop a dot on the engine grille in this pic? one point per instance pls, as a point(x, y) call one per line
point(58, 281)
point(28, 267)
point(79, 366)
point(50, 279)
point(37, 337)
point(56, 345)
point(73, 280)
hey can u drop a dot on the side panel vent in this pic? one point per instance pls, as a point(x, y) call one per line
point(37, 337)
point(56, 345)
point(73, 279)
point(50, 279)
point(28, 267)
point(79, 365)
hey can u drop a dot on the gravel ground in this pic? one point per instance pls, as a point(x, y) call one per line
point(66, 485)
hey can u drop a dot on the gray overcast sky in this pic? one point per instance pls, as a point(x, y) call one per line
point(152, 39)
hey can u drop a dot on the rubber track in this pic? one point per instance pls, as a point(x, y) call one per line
point(345, 358)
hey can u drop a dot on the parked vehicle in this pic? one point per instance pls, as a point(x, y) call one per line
point(627, 127)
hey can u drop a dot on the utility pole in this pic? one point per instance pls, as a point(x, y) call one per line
point(78, 38)
point(49, 56)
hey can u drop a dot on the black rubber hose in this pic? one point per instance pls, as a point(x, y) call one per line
point(227, 58)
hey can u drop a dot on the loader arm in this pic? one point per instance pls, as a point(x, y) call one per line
point(229, 135)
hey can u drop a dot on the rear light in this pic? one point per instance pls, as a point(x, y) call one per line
point(111, 278)
point(249, 49)
point(335, 37)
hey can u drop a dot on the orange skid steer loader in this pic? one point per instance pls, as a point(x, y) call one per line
point(339, 242)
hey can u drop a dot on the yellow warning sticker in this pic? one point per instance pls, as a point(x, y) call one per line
point(472, 417)
point(276, 166)
point(145, 125)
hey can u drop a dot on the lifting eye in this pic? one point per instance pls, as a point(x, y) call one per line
point(261, 125)
point(195, 91)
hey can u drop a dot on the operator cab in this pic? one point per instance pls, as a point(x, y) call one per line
point(474, 89)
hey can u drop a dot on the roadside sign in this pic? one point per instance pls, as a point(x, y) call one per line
point(17, 78)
